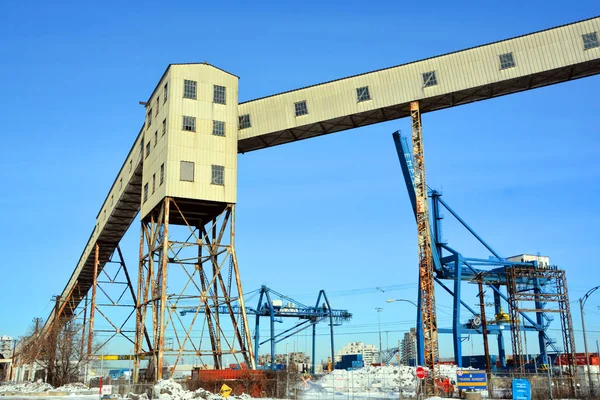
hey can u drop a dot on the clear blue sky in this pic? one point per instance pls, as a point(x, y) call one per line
point(331, 212)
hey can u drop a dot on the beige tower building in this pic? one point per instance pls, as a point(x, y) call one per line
point(188, 268)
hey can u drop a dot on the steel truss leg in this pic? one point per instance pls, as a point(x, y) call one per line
point(111, 294)
point(199, 258)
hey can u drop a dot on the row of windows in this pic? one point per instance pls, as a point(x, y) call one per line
point(165, 96)
point(189, 125)
point(164, 130)
point(186, 173)
point(189, 91)
point(507, 60)
point(161, 180)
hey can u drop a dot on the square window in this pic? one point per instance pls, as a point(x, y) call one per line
point(147, 149)
point(244, 121)
point(186, 171)
point(218, 175)
point(164, 128)
point(189, 89)
point(155, 138)
point(166, 92)
point(507, 61)
point(590, 40)
point(145, 192)
point(219, 94)
point(153, 183)
point(429, 79)
point(218, 128)
point(149, 117)
point(300, 108)
point(162, 174)
point(362, 94)
point(189, 123)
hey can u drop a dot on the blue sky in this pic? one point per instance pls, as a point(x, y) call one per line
point(331, 212)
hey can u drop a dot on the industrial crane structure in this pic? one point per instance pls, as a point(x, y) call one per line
point(533, 289)
point(271, 305)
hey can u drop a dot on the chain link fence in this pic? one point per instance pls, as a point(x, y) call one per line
point(386, 384)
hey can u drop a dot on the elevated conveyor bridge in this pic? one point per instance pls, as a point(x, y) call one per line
point(509, 66)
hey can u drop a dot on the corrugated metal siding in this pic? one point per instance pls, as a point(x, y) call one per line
point(200, 147)
point(473, 68)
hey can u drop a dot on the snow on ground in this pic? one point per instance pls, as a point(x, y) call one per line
point(26, 387)
point(171, 390)
point(369, 382)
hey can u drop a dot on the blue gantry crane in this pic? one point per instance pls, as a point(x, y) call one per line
point(277, 306)
point(494, 272)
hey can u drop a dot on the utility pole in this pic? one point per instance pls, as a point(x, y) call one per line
point(379, 310)
point(587, 355)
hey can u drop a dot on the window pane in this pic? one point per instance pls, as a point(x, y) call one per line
point(590, 40)
point(429, 79)
point(301, 108)
point(218, 172)
point(362, 94)
point(162, 173)
point(166, 91)
point(189, 123)
point(219, 94)
point(507, 61)
point(244, 121)
point(189, 89)
point(186, 172)
point(218, 128)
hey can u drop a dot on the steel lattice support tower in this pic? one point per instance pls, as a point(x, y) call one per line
point(208, 279)
point(512, 275)
point(426, 272)
point(540, 291)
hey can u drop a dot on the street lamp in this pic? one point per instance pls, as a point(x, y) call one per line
point(587, 356)
point(407, 301)
point(415, 341)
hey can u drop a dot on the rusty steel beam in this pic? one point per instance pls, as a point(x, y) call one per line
point(204, 282)
point(93, 302)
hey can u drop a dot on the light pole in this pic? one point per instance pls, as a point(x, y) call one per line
point(417, 307)
point(379, 310)
point(587, 356)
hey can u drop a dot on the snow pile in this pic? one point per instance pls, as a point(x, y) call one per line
point(73, 388)
point(376, 382)
point(27, 387)
point(170, 390)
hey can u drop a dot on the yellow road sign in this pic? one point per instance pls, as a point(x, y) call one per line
point(225, 391)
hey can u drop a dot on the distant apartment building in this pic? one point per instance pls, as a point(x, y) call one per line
point(408, 347)
point(369, 352)
point(6, 346)
point(293, 357)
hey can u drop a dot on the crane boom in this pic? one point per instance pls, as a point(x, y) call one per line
point(426, 278)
